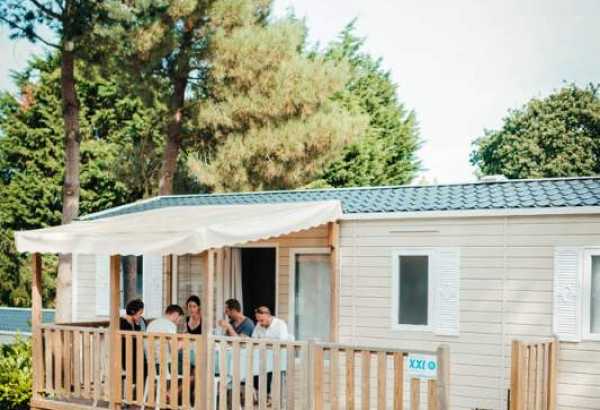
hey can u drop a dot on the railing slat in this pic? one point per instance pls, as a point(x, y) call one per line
point(77, 363)
point(539, 376)
point(333, 378)
point(249, 391)
point(163, 369)
point(290, 379)
point(185, 395)
point(398, 381)
point(128, 368)
point(545, 376)
point(222, 375)
point(276, 385)
point(87, 364)
point(58, 387)
point(366, 380)
point(151, 381)
point(432, 395)
point(262, 376)
point(415, 394)
point(174, 372)
point(97, 355)
point(381, 376)
point(350, 379)
point(67, 366)
point(198, 366)
point(139, 366)
point(317, 380)
point(235, 380)
point(48, 353)
point(531, 383)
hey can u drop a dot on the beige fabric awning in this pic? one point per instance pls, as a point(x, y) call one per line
point(179, 230)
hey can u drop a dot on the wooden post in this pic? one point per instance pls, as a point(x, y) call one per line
point(443, 377)
point(36, 322)
point(334, 239)
point(207, 328)
point(515, 376)
point(114, 385)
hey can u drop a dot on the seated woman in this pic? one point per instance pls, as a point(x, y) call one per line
point(193, 322)
point(132, 321)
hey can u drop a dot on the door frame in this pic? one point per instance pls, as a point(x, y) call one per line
point(220, 304)
point(292, 280)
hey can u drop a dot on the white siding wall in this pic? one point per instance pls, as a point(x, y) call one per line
point(506, 289)
point(84, 285)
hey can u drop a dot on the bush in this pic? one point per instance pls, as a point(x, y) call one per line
point(15, 375)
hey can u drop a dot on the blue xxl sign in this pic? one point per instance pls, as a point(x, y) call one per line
point(422, 366)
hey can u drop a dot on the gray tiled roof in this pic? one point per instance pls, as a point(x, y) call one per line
point(512, 194)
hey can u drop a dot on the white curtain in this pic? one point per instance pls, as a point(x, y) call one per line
point(232, 275)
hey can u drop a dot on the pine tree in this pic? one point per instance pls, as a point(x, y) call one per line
point(120, 158)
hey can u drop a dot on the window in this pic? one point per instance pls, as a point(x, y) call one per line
point(412, 290)
point(310, 288)
point(591, 295)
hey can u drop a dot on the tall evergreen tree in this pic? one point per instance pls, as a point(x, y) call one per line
point(120, 158)
point(271, 118)
point(555, 136)
point(66, 26)
point(386, 151)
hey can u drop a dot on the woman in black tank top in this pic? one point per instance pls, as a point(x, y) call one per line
point(193, 321)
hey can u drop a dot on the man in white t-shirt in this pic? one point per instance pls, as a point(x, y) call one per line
point(268, 326)
point(167, 323)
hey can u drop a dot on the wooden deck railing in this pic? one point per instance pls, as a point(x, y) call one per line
point(165, 371)
point(533, 375)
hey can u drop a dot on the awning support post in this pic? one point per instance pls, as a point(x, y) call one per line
point(114, 371)
point(333, 240)
point(36, 322)
point(207, 329)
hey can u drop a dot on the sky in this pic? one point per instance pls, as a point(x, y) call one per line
point(460, 65)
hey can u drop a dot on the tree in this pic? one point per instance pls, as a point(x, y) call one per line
point(70, 24)
point(271, 118)
point(120, 158)
point(555, 136)
point(385, 153)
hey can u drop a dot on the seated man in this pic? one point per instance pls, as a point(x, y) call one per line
point(238, 325)
point(167, 323)
point(268, 326)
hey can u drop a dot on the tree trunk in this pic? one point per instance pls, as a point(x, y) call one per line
point(173, 143)
point(71, 179)
point(131, 269)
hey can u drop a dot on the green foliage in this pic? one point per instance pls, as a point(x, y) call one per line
point(15, 375)
point(271, 115)
point(119, 160)
point(385, 152)
point(555, 136)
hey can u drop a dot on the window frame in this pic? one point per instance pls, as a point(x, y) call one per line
point(431, 280)
point(586, 296)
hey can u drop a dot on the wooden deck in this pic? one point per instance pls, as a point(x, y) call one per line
point(166, 371)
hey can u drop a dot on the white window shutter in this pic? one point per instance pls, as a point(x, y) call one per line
point(567, 293)
point(102, 284)
point(447, 291)
point(153, 286)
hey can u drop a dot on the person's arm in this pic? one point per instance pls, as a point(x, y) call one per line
point(283, 330)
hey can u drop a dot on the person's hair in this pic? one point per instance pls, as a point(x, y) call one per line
point(194, 299)
point(262, 310)
point(233, 304)
point(134, 306)
point(174, 309)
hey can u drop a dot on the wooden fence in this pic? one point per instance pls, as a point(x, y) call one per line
point(533, 375)
point(165, 371)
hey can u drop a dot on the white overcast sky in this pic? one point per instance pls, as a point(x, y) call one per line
point(459, 64)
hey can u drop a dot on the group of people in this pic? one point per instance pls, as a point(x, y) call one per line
point(267, 326)
point(237, 324)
